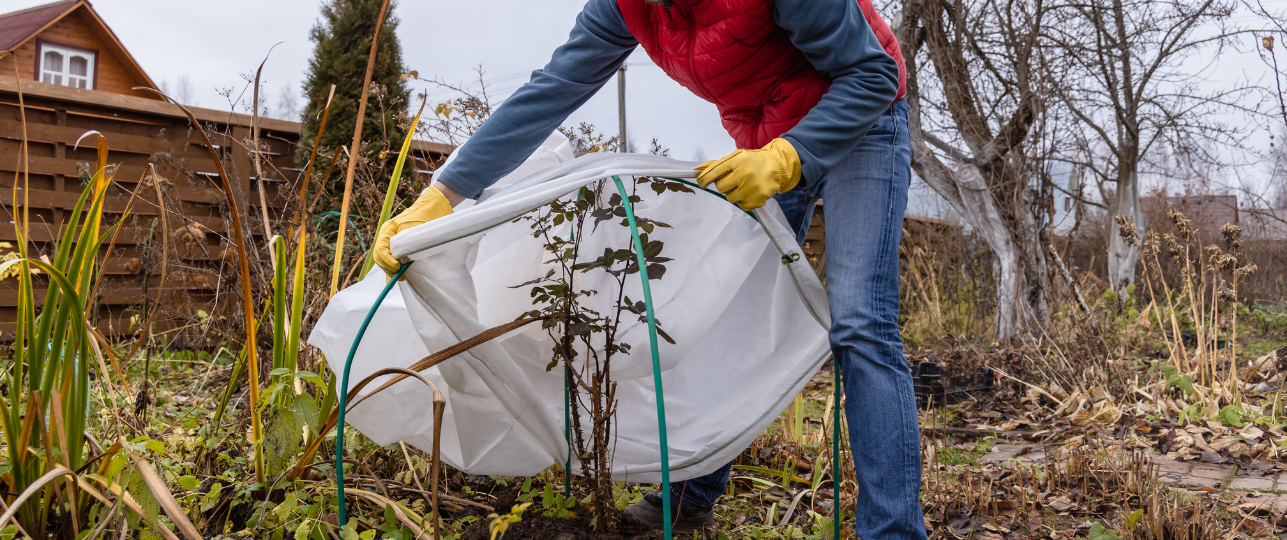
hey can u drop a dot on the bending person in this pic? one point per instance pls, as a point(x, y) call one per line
point(811, 92)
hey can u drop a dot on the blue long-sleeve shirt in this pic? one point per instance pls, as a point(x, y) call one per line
point(833, 35)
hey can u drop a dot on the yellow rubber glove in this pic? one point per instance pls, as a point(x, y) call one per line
point(430, 206)
point(749, 177)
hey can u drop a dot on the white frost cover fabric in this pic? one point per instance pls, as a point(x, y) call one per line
point(750, 329)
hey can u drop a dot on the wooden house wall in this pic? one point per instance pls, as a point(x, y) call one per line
point(79, 30)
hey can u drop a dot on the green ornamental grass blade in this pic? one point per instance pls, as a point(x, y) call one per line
point(71, 379)
point(392, 192)
point(280, 324)
point(296, 308)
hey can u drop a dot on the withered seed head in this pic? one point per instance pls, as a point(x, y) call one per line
point(1126, 228)
point(1245, 271)
point(1173, 248)
point(1227, 295)
point(1152, 243)
point(1232, 235)
point(1219, 260)
point(1182, 225)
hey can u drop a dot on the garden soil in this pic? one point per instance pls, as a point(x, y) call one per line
point(535, 526)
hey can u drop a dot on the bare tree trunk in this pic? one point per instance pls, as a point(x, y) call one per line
point(1123, 256)
point(1032, 260)
point(980, 210)
point(988, 184)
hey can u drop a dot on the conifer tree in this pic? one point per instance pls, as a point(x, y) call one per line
point(342, 44)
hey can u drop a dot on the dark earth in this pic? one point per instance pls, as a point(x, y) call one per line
point(535, 526)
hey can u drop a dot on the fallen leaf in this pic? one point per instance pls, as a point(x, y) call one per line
point(1259, 465)
point(1253, 508)
point(1255, 525)
point(1220, 443)
point(1012, 425)
point(963, 525)
point(1060, 504)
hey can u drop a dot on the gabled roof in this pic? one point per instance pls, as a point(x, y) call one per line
point(19, 26)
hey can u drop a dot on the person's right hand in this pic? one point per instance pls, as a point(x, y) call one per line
point(431, 205)
point(749, 178)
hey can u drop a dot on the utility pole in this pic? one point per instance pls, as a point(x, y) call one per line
point(621, 106)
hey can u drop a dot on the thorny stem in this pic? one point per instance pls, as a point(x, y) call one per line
point(592, 386)
point(568, 311)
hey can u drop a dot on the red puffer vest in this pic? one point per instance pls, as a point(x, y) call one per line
point(732, 54)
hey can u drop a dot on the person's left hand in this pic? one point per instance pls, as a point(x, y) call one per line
point(749, 177)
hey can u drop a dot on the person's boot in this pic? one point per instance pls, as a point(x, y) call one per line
point(648, 512)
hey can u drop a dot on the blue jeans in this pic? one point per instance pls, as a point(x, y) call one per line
point(865, 196)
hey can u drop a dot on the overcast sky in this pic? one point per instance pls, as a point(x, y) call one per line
point(218, 44)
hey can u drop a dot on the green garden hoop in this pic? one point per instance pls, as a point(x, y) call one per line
point(656, 367)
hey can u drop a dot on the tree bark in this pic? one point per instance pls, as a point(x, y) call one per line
point(981, 211)
point(1122, 256)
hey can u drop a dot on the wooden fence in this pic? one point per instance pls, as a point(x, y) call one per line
point(139, 132)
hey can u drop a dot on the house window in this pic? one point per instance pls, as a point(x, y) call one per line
point(66, 66)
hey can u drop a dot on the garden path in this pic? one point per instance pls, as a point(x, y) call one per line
point(1195, 474)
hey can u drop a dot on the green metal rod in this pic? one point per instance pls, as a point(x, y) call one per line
point(712, 192)
point(567, 397)
point(344, 388)
point(656, 361)
point(835, 449)
point(567, 431)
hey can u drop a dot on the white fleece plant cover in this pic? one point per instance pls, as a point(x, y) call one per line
point(750, 331)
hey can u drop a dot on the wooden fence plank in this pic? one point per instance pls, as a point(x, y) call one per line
point(140, 132)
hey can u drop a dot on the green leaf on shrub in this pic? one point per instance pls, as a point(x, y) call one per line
point(1231, 416)
point(137, 488)
point(391, 528)
point(209, 500)
point(1099, 532)
point(308, 376)
point(349, 531)
point(1175, 377)
point(283, 434)
point(1132, 519)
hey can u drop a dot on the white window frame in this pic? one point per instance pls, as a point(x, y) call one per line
point(63, 76)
